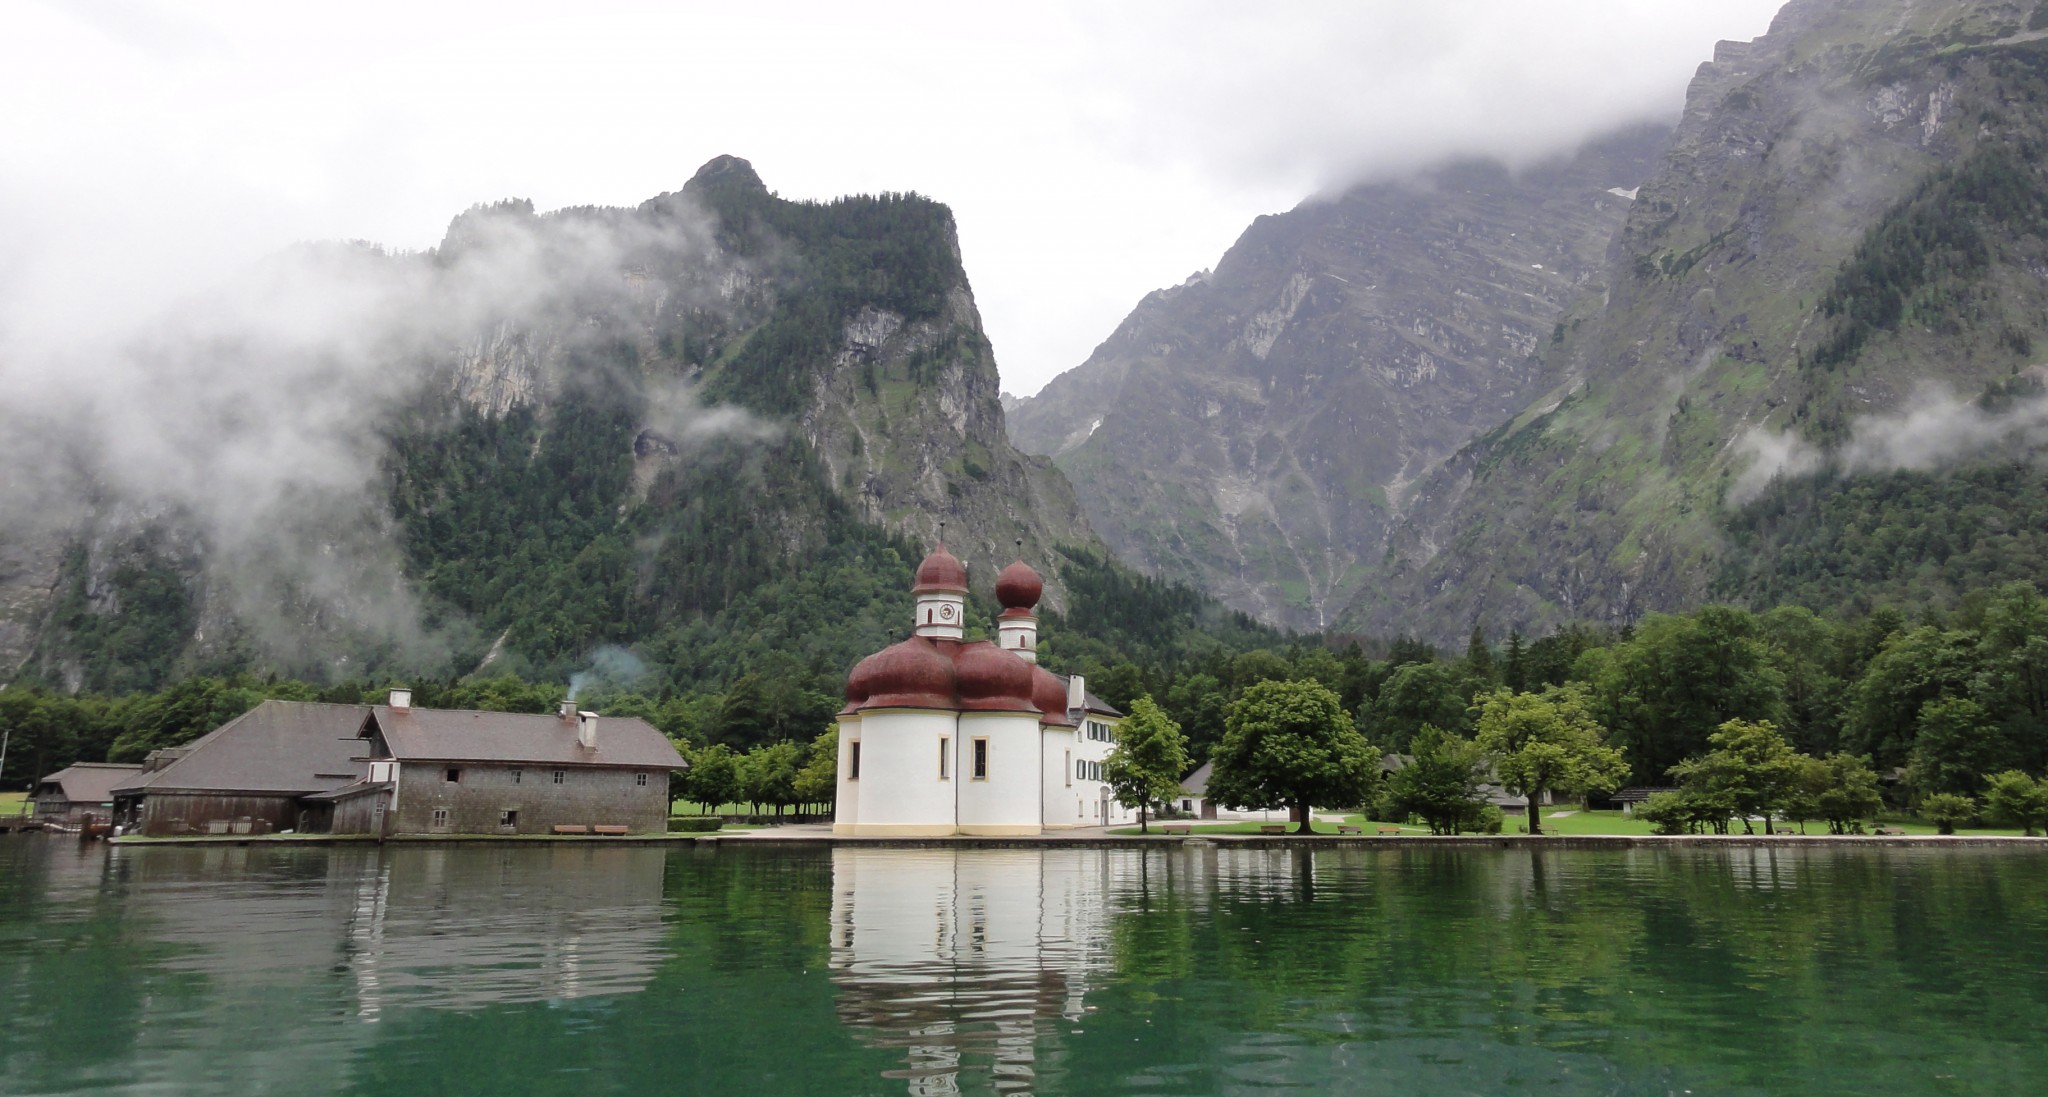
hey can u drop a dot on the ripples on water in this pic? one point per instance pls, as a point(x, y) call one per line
point(581, 969)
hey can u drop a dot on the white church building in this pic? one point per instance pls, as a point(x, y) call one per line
point(941, 735)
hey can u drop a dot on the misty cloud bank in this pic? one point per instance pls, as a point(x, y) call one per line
point(249, 423)
point(1935, 429)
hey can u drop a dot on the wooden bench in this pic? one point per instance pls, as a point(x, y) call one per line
point(1272, 828)
point(1387, 830)
point(571, 828)
point(1347, 828)
point(1890, 831)
point(608, 828)
point(1174, 828)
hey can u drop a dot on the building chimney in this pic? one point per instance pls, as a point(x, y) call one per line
point(567, 709)
point(586, 730)
point(401, 699)
point(1077, 693)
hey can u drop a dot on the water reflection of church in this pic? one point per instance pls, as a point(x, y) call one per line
point(977, 963)
point(971, 961)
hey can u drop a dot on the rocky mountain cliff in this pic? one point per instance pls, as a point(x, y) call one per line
point(712, 418)
point(1839, 270)
point(1257, 430)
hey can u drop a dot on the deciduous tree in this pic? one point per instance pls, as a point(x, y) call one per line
point(1291, 744)
point(1751, 768)
point(713, 777)
point(2015, 799)
point(1849, 793)
point(1418, 694)
point(818, 781)
point(1149, 758)
point(1946, 809)
point(1547, 741)
point(1440, 782)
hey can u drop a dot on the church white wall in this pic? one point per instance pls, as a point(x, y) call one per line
point(846, 807)
point(1062, 790)
point(1007, 801)
point(900, 791)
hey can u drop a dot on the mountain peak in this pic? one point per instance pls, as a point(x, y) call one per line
point(726, 171)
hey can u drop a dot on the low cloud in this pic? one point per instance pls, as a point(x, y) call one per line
point(252, 416)
point(1935, 429)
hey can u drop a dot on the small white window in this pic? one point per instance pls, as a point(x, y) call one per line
point(853, 760)
point(640, 779)
point(440, 818)
point(945, 752)
point(558, 777)
point(981, 759)
point(1069, 767)
point(515, 776)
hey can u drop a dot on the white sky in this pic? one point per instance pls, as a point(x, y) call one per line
point(1091, 152)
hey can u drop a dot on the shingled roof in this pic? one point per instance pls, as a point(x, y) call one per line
point(277, 748)
point(456, 735)
point(89, 782)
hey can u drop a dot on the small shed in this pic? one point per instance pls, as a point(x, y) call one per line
point(1633, 797)
point(1194, 793)
point(80, 789)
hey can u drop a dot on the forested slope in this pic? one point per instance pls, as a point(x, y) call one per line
point(1836, 273)
point(714, 432)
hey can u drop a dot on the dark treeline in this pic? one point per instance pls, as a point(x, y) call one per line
point(1933, 706)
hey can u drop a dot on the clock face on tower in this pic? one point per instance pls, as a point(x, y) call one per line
point(946, 612)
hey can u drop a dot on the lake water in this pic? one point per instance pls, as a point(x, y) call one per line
point(580, 969)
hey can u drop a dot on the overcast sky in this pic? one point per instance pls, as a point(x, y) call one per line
point(1092, 152)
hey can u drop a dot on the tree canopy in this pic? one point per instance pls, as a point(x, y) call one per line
point(1148, 761)
point(1291, 744)
point(1547, 742)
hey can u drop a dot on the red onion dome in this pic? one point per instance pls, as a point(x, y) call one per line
point(993, 680)
point(1019, 587)
point(912, 674)
point(941, 572)
point(1049, 693)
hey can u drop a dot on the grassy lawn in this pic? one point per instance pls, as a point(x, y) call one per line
point(13, 803)
point(1318, 827)
point(691, 807)
point(1577, 823)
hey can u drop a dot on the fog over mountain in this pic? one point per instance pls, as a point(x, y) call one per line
point(1092, 153)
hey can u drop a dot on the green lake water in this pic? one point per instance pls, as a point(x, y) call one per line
point(581, 969)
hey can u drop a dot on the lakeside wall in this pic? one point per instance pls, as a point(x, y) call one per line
point(1318, 841)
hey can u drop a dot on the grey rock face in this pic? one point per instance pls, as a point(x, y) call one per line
point(1604, 497)
point(1257, 430)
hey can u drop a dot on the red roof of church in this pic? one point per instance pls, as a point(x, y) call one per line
point(923, 672)
point(941, 572)
point(1019, 587)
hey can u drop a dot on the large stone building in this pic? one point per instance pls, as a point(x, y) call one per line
point(447, 771)
point(393, 769)
point(942, 735)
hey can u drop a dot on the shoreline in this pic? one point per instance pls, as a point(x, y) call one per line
point(1109, 841)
